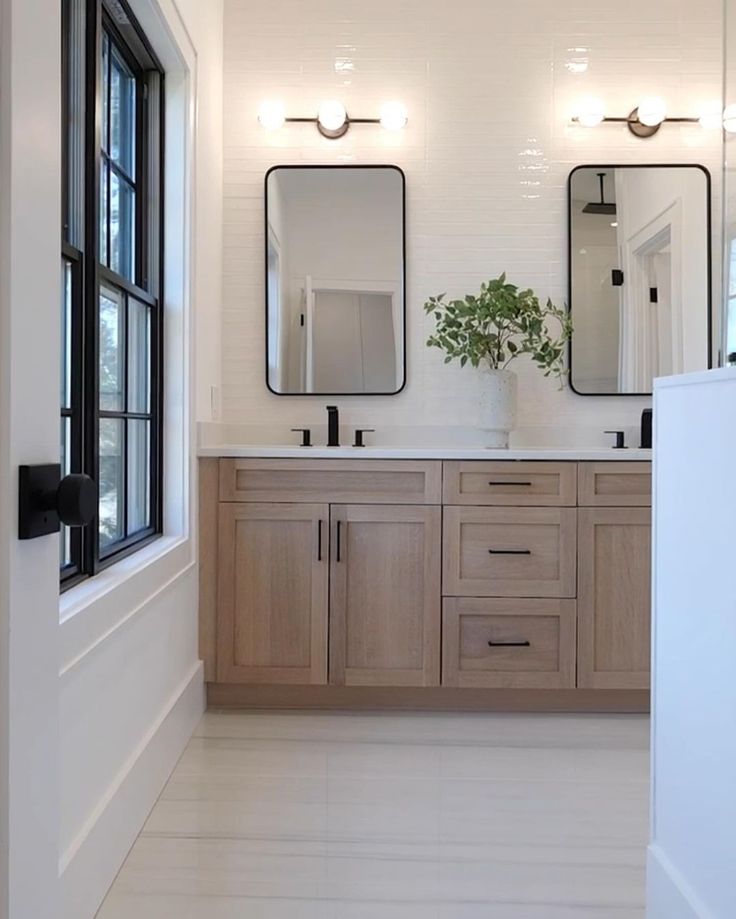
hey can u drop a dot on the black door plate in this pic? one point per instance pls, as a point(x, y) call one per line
point(37, 488)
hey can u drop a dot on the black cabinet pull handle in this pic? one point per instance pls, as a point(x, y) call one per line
point(509, 484)
point(509, 551)
point(339, 527)
point(319, 540)
point(509, 644)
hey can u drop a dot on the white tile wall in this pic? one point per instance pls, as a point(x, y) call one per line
point(490, 87)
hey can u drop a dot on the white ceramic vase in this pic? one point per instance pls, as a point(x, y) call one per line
point(498, 397)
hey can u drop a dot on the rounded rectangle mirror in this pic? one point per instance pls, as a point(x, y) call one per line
point(640, 275)
point(335, 280)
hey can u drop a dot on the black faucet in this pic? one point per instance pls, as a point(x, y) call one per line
point(333, 426)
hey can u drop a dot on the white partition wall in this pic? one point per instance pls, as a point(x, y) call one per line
point(692, 853)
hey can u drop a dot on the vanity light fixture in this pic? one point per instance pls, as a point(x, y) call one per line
point(332, 119)
point(643, 121)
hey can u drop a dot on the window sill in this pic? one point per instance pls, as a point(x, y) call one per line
point(91, 590)
point(97, 607)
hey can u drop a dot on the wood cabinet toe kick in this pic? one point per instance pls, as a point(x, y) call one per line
point(503, 585)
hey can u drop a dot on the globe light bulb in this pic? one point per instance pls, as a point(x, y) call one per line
point(591, 112)
point(393, 116)
point(332, 116)
point(271, 115)
point(652, 111)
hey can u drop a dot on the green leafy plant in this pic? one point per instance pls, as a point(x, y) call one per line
point(498, 325)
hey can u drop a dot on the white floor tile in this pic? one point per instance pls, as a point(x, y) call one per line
point(394, 817)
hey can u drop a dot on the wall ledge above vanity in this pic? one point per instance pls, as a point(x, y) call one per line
point(597, 454)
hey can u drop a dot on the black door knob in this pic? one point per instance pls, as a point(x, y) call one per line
point(76, 500)
point(45, 500)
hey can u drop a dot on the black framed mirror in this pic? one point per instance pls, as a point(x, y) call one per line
point(335, 280)
point(640, 275)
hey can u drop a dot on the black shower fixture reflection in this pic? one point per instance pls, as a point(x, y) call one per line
point(602, 206)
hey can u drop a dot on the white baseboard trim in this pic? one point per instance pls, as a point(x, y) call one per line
point(669, 896)
point(90, 864)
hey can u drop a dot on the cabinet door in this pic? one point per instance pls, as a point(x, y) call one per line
point(385, 595)
point(614, 597)
point(273, 577)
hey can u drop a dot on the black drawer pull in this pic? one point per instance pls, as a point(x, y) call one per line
point(319, 540)
point(338, 553)
point(509, 551)
point(509, 644)
point(510, 484)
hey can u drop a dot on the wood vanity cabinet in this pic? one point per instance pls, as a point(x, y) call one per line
point(358, 580)
point(614, 575)
point(471, 575)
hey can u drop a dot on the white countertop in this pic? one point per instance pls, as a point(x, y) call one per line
point(435, 453)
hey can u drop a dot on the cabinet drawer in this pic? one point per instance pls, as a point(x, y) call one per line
point(334, 481)
point(510, 484)
point(509, 551)
point(615, 484)
point(508, 644)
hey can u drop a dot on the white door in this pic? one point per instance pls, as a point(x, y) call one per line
point(352, 343)
point(30, 234)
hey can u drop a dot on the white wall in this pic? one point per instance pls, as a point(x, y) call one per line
point(131, 689)
point(490, 87)
point(204, 22)
point(358, 214)
point(691, 854)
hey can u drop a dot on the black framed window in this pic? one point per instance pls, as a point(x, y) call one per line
point(111, 296)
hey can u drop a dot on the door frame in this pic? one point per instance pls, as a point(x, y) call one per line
point(637, 320)
point(30, 277)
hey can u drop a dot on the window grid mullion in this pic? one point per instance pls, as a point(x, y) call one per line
point(90, 266)
point(141, 146)
point(126, 422)
point(124, 285)
point(94, 255)
point(133, 416)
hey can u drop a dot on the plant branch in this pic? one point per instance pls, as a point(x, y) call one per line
point(498, 325)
